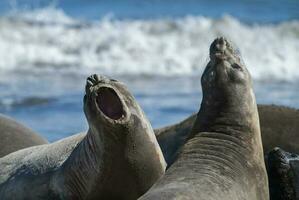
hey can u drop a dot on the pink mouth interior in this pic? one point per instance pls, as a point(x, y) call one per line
point(109, 103)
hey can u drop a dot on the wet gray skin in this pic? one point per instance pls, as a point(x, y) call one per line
point(118, 158)
point(223, 156)
point(15, 136)
point(283, 172)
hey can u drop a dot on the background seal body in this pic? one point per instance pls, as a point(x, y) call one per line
point(279, 127)
point(283, 173)
point(223, 156)
point(118, 158)
point(15, 136)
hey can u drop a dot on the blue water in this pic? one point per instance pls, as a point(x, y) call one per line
point(43, 74)
point(252, 11)
point(58, 112)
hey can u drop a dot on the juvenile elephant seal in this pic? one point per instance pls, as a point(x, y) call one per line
point(279, 127)
point(223, 157)
point(15, 136)
point(283, 173)
point(119, 157)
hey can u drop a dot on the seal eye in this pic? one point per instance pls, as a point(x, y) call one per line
point(236, 66)
point(110, 103)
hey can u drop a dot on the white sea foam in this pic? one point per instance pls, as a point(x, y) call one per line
point(47, 40)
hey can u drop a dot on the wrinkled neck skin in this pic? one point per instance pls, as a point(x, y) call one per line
point(226, 139)
point(112, 161)
point(94, 158)
point(223, 156)
point(229, 113)
point(90, 161)
point(228, 104)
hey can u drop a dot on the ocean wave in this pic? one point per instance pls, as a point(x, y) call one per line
point(7, 103)
point(47, 40)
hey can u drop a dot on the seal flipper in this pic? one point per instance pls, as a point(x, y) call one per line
point(283, 174)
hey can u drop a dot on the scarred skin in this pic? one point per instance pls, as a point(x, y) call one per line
point(15, 136)
point(222, 158)
point(279, 127)
point(118, 158)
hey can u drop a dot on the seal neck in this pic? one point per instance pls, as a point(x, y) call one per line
point(89, 163)
point(228, 116)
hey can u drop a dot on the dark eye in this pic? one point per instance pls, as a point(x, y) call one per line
point(236, 66)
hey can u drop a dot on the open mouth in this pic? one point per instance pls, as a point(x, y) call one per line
point(109, 103)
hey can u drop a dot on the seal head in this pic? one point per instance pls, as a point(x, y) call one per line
point(226, 85)
point(223, 156)
point(106, 102)
point(118, 158)
point(129, 149)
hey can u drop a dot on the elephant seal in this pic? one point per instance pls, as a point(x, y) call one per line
point(15, 136)
point(223, 156)
point(118, 158)
point(279, 127)
point(172, 138)
point(283, 173)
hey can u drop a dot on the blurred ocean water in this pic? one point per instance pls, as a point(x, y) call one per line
point(158, 48)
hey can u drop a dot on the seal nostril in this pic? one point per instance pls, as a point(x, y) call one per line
point(220, 48)
point(222, 40)
point(236, 66)
point(110, 103)
point(221, 44)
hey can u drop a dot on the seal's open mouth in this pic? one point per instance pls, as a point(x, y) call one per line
point(109, 103)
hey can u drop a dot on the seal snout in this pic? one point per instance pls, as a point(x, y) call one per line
point(95, 79)
point(221, 44)
point(110, 103)
point(103, 92)
point(219, 48)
